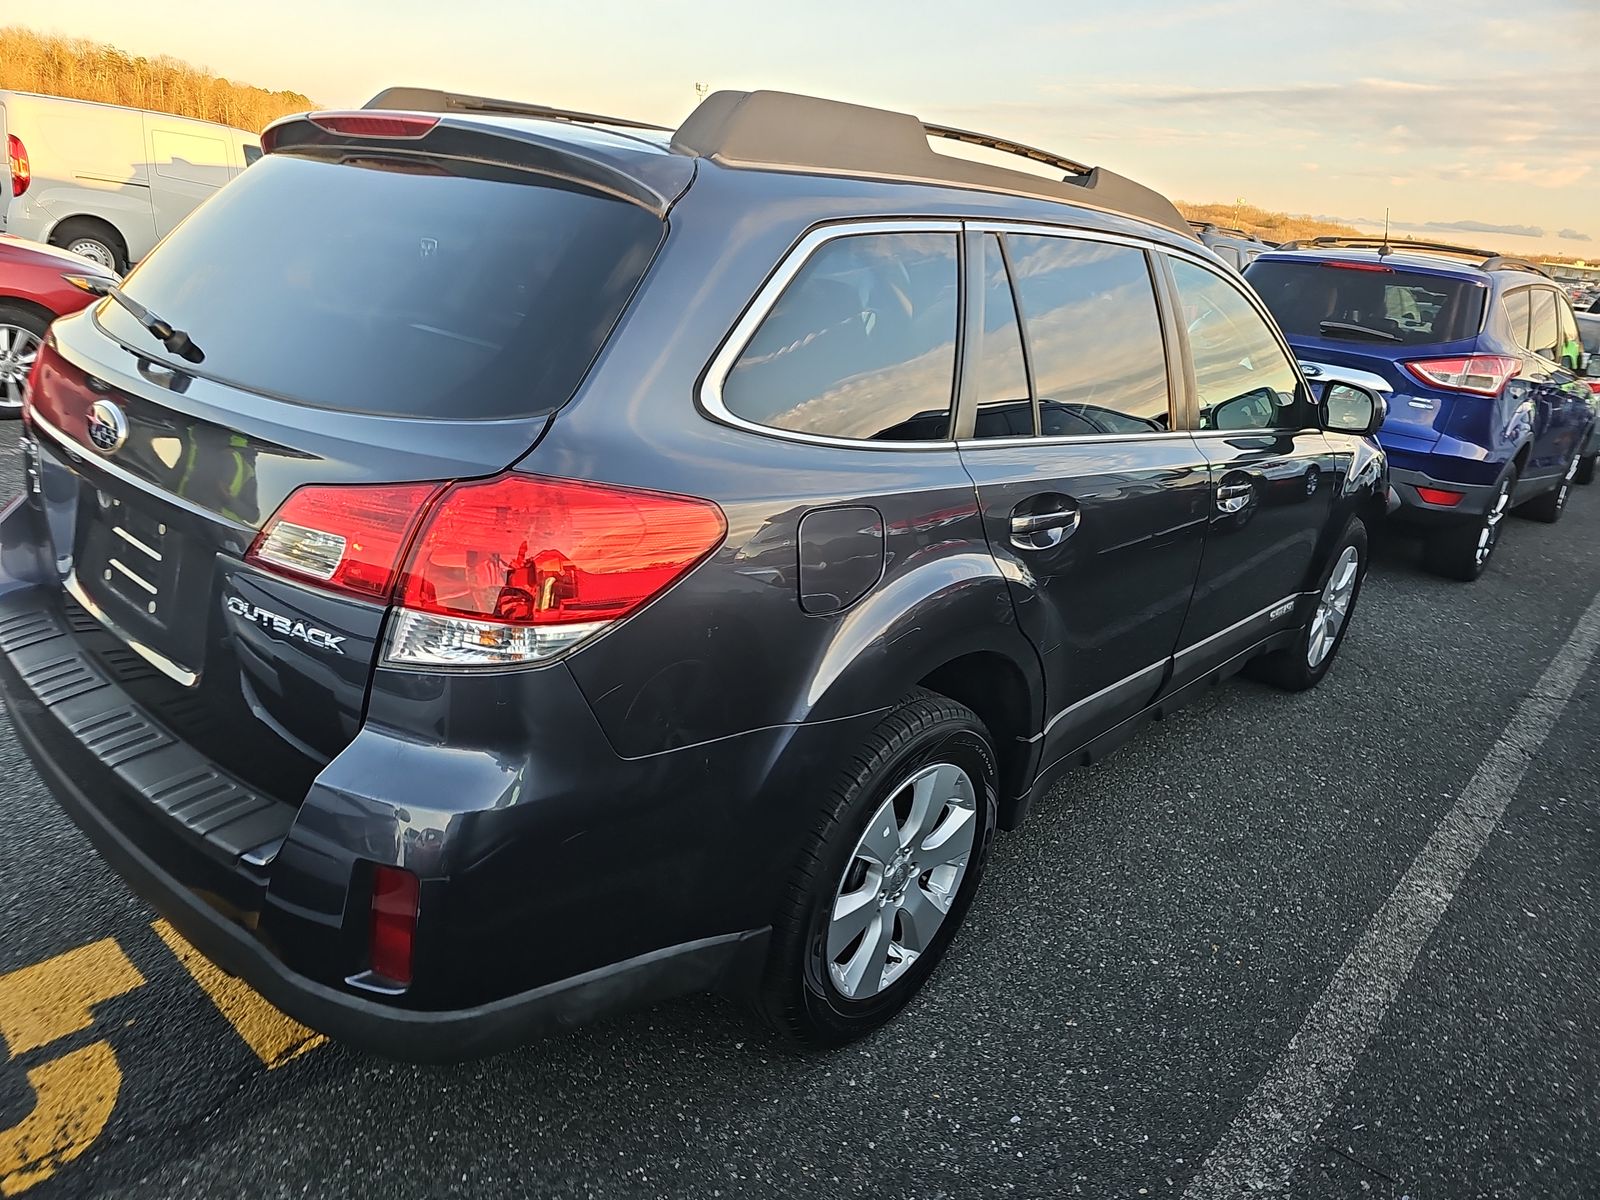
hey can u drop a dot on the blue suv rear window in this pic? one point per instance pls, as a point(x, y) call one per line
point(1368, 302)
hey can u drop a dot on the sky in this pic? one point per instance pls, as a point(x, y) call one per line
point(1468, 120)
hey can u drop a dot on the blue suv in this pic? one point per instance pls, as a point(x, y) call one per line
point(1488, 411)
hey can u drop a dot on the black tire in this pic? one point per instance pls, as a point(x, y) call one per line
point(1548, 506)
point(1291, 668)
point(1458, 551)
point(80, 232)
point(1585, 473)
point(798, 997)
point(14, 317)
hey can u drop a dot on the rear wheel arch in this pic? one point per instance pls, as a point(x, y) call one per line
point(994, 687)
point(82, 225)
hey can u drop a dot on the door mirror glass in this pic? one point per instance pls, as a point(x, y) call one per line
point(1350, 409)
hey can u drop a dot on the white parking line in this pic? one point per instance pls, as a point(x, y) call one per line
point(1268, 1139)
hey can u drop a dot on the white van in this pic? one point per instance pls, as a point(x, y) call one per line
point(109, 182)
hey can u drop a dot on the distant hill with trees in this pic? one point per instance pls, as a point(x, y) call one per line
point(1269, 226)
point(86, 70)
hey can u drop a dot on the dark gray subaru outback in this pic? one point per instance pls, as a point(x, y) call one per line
point(493, 565)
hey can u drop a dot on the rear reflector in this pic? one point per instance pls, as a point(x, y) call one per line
point(507, 570)
point(21, 172)
point(1360, 266)
point(1440, 496)
point(392, 933)
point(348, 539)
point(1481, 374)
point(390, 125)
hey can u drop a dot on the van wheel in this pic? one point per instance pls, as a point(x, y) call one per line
point(92, 239)
point(21, 334)
point(1304, 662)
point(886, 876)
point(1463, 551)
point(1549, 506)
point(1585, 473)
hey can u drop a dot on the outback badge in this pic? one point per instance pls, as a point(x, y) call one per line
point(284, 626)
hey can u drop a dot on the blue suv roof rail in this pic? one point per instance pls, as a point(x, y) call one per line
point(784, 131)
point(1488, 260)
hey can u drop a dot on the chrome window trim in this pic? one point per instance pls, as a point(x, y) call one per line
point(761, 305)
point(1041, 229)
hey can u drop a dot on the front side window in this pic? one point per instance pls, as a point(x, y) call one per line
point(860, 345)
point(1093, 336)
point(1243, 378)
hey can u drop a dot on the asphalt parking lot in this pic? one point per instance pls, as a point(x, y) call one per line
point(1137, 965)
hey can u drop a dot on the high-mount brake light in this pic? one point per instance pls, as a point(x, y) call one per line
point(1359, 266)
point(500, 571)
point(347, 538)
point(368, 125)
point(21, 172)
point(520, 568)
point(1480, 374)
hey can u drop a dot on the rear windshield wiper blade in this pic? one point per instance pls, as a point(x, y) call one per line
point(175, 340)
point(1383, 335)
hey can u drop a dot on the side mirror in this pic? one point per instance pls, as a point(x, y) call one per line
point(1347, 408)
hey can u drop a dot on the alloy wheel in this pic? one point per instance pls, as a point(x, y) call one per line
point(900, 880)
point(1489, 534)
point(18, 348)
point(1333, 606)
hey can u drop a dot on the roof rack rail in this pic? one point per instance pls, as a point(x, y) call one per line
point(804, 133)
point(1489, 260)
point(413, 99)
point(1230, 230)
point(1503, 262)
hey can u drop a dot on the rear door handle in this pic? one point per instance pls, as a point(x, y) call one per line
point(1231, 497)
point(1041, 531)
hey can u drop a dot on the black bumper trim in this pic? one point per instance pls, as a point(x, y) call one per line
point(1474, 501)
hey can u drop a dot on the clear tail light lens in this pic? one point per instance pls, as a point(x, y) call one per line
point(520, 568)
point(1480, 374)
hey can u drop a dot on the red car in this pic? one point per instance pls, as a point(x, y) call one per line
point(33, 292)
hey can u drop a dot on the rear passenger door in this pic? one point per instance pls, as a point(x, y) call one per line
point(1093, 499)
point(1273, 473)
point(1561, 412)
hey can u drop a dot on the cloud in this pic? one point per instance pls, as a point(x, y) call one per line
point(1572, 235)
point(1484, 227)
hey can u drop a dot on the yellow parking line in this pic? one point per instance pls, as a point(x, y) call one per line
point(274, 1037)
point(76, 1094)
point(52, 999)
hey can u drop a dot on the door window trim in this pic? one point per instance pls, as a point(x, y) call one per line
point(766, 298)
point(965, 406)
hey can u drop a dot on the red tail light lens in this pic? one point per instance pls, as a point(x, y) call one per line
point(392, 931)
point(1481, 374)
point(347, 539)
point(389, 125)
point(1440, 496)
point(21, 172)
point(519, 568)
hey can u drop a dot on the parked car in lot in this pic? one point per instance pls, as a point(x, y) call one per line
point(36, 286)
point(1236, 247)
point(1489, 412)
point(593, 607)
point(107, 182)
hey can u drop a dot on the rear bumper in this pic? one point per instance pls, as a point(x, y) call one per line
point(1475, 498)
point(560, 881)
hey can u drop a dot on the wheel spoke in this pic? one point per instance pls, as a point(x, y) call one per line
point(921, 914)
point(852, 913)
point(881, 841)
point(950, 844)
point(863, 974)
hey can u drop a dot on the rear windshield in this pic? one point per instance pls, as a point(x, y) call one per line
point(1388, 305)
point(393, 288)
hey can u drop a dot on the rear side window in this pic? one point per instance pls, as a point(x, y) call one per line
point(396, 288)
point(252, 153)
point(860, 345)
point(1544, 331)
point(1519, 308)
point(1368, 302)
point(1093, 335)
point(1570, 345)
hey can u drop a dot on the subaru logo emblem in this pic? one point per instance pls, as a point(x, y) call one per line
point(108, 428)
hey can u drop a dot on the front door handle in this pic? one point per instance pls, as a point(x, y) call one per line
point(1231, 497)
point(1041, 531)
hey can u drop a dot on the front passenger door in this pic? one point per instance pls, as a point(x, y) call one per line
point(1273, 473)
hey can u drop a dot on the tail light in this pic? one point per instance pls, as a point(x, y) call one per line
point(1481, 374)
point(392, 927)
point(21, 172)
point(1594, 386)
point(500, 571)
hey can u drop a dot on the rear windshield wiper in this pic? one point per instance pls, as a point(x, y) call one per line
point(175, 340)
point(1383, 335)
